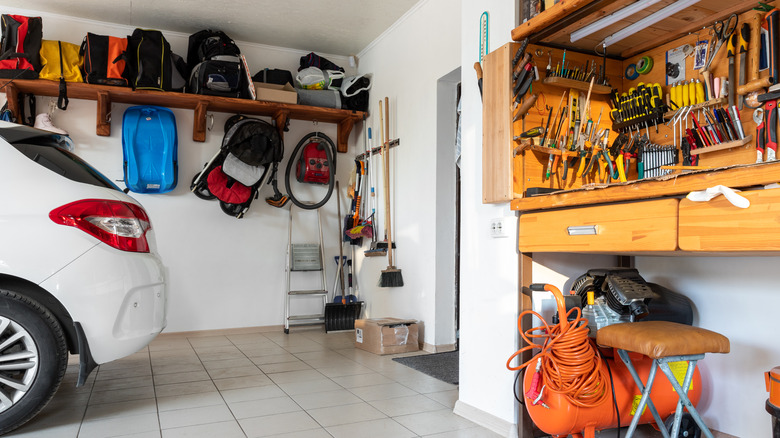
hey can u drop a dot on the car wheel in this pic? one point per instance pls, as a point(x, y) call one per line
point(33, 358)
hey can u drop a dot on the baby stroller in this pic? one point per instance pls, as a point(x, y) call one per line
point(250, 154)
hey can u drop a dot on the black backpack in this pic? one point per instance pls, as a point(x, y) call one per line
point(151, 63)
point(20, 47)
point(207, 44)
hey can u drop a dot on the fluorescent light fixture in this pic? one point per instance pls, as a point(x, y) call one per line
point(611, 19)
point(650, 20)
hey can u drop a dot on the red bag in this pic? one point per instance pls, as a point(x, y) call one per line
point(20, 47)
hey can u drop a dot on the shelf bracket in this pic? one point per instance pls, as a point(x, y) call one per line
point(342, 134)
point(281, 118)
point(12, 97)
point(199, 124)
point(103, 127)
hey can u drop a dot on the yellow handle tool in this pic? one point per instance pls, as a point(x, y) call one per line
point(686, 96)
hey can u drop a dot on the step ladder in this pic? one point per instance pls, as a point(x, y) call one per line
point(304, 257)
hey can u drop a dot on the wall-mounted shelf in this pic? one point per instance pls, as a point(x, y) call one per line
point(577, 85)
point(722, 146)
point(105, 95)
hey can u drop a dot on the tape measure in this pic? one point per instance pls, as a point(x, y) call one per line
point(644, 65)
point(631, 73)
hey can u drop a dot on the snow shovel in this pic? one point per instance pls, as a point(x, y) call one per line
point(341, 316)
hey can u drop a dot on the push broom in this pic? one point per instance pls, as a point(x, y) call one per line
point(391, 277)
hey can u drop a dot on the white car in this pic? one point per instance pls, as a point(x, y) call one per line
point(79, 272)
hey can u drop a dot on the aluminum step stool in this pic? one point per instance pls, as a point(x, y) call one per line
point(304, 257)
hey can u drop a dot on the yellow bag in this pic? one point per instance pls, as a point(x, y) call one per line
point(61, 59)
point(62, 62)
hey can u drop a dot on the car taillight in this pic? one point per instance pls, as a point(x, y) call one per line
point(119, 224)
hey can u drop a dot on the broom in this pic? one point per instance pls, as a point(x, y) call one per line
point(391, 277)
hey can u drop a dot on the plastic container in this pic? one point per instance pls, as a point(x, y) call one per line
point(772, 379)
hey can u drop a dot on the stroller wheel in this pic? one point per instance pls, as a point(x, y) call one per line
point(235, 210)
point(202, 189)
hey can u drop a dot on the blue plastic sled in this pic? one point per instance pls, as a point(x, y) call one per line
point(149, 146)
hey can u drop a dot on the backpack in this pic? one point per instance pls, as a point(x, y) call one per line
point(20, 46)
point(220, 76)
point(105, 60)
point(206, 44)
point(151, 63)
point(61, 62)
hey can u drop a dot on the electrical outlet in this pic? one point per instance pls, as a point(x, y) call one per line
point(498, 228)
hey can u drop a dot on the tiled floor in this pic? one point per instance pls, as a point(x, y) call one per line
point(306, 384)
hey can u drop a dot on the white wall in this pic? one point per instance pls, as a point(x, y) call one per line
point(408, 59)
point(737, 297)
point(223, 272)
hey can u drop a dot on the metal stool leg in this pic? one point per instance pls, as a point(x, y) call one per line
point(663, 363)
point(645, 400)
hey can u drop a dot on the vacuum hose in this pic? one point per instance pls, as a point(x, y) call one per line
point(568, 362)
point(330, 153)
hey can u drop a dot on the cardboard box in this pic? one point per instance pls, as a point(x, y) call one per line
point(276, 93)
point(386, 335)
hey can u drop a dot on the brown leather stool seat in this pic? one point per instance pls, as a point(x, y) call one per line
point(662, 339)
point(664, 342)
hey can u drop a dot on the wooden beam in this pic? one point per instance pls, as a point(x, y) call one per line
point(649, 43)
point(548, 18)
point(199, 124)
point(103, 127)
point(12, 97)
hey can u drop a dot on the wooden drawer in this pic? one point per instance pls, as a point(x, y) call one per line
point(719, 226)
point(641, 226)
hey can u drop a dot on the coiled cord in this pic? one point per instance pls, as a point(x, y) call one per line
point(570, 364)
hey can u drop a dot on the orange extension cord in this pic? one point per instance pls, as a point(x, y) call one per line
point(570, 364)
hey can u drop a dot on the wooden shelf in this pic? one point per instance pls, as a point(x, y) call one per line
point(105, 95)
point(738, 176)
point(698, 106)
point(722, 146)
point(577, 85)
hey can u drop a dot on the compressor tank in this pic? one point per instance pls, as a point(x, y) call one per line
point(564, 418)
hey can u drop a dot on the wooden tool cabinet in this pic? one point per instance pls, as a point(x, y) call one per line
point(647, 217)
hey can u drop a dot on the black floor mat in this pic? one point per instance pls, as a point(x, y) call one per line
point(443, 366)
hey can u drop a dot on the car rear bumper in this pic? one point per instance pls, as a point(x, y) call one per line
point(119, 298)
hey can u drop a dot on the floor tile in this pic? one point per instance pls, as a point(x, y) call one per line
point(447, 398)
point(394, 407)
point(326, 399)
point(472, 432)
point(123, 383)
point(227, 429)
point(177, 368)
point(185, 388)
point(309, 386)
point(116, 426)
point(359, 380)
point(254, 393)
point(189, 376)
point(194, 416)
point(209, 341)
point(189, 401)
point(224, 373)
point(311, 433)
point(261, 408)
point(353, 413)
point(136, 371)
point(353, 369)
point(382, 392)
point(295, 376)
point(427, 423)
point(282, 367)
point(273, 425)
point(243, 382)
point(120, 395)
point(121, 409)
point(264, 359)
point(211, 365)
point(383, 428)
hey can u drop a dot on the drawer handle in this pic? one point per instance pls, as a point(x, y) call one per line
point(583, 230)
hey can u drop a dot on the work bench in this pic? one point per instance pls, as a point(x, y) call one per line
point(650, 216)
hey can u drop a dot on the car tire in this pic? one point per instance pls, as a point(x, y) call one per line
point(34, 337)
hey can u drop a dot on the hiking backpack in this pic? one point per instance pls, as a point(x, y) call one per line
point(151, 63)
point(216, 65)
point(20, 46)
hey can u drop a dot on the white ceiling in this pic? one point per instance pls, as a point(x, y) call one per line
point(340, 27)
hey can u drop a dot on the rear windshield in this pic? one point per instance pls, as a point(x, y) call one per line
point(62, 162)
